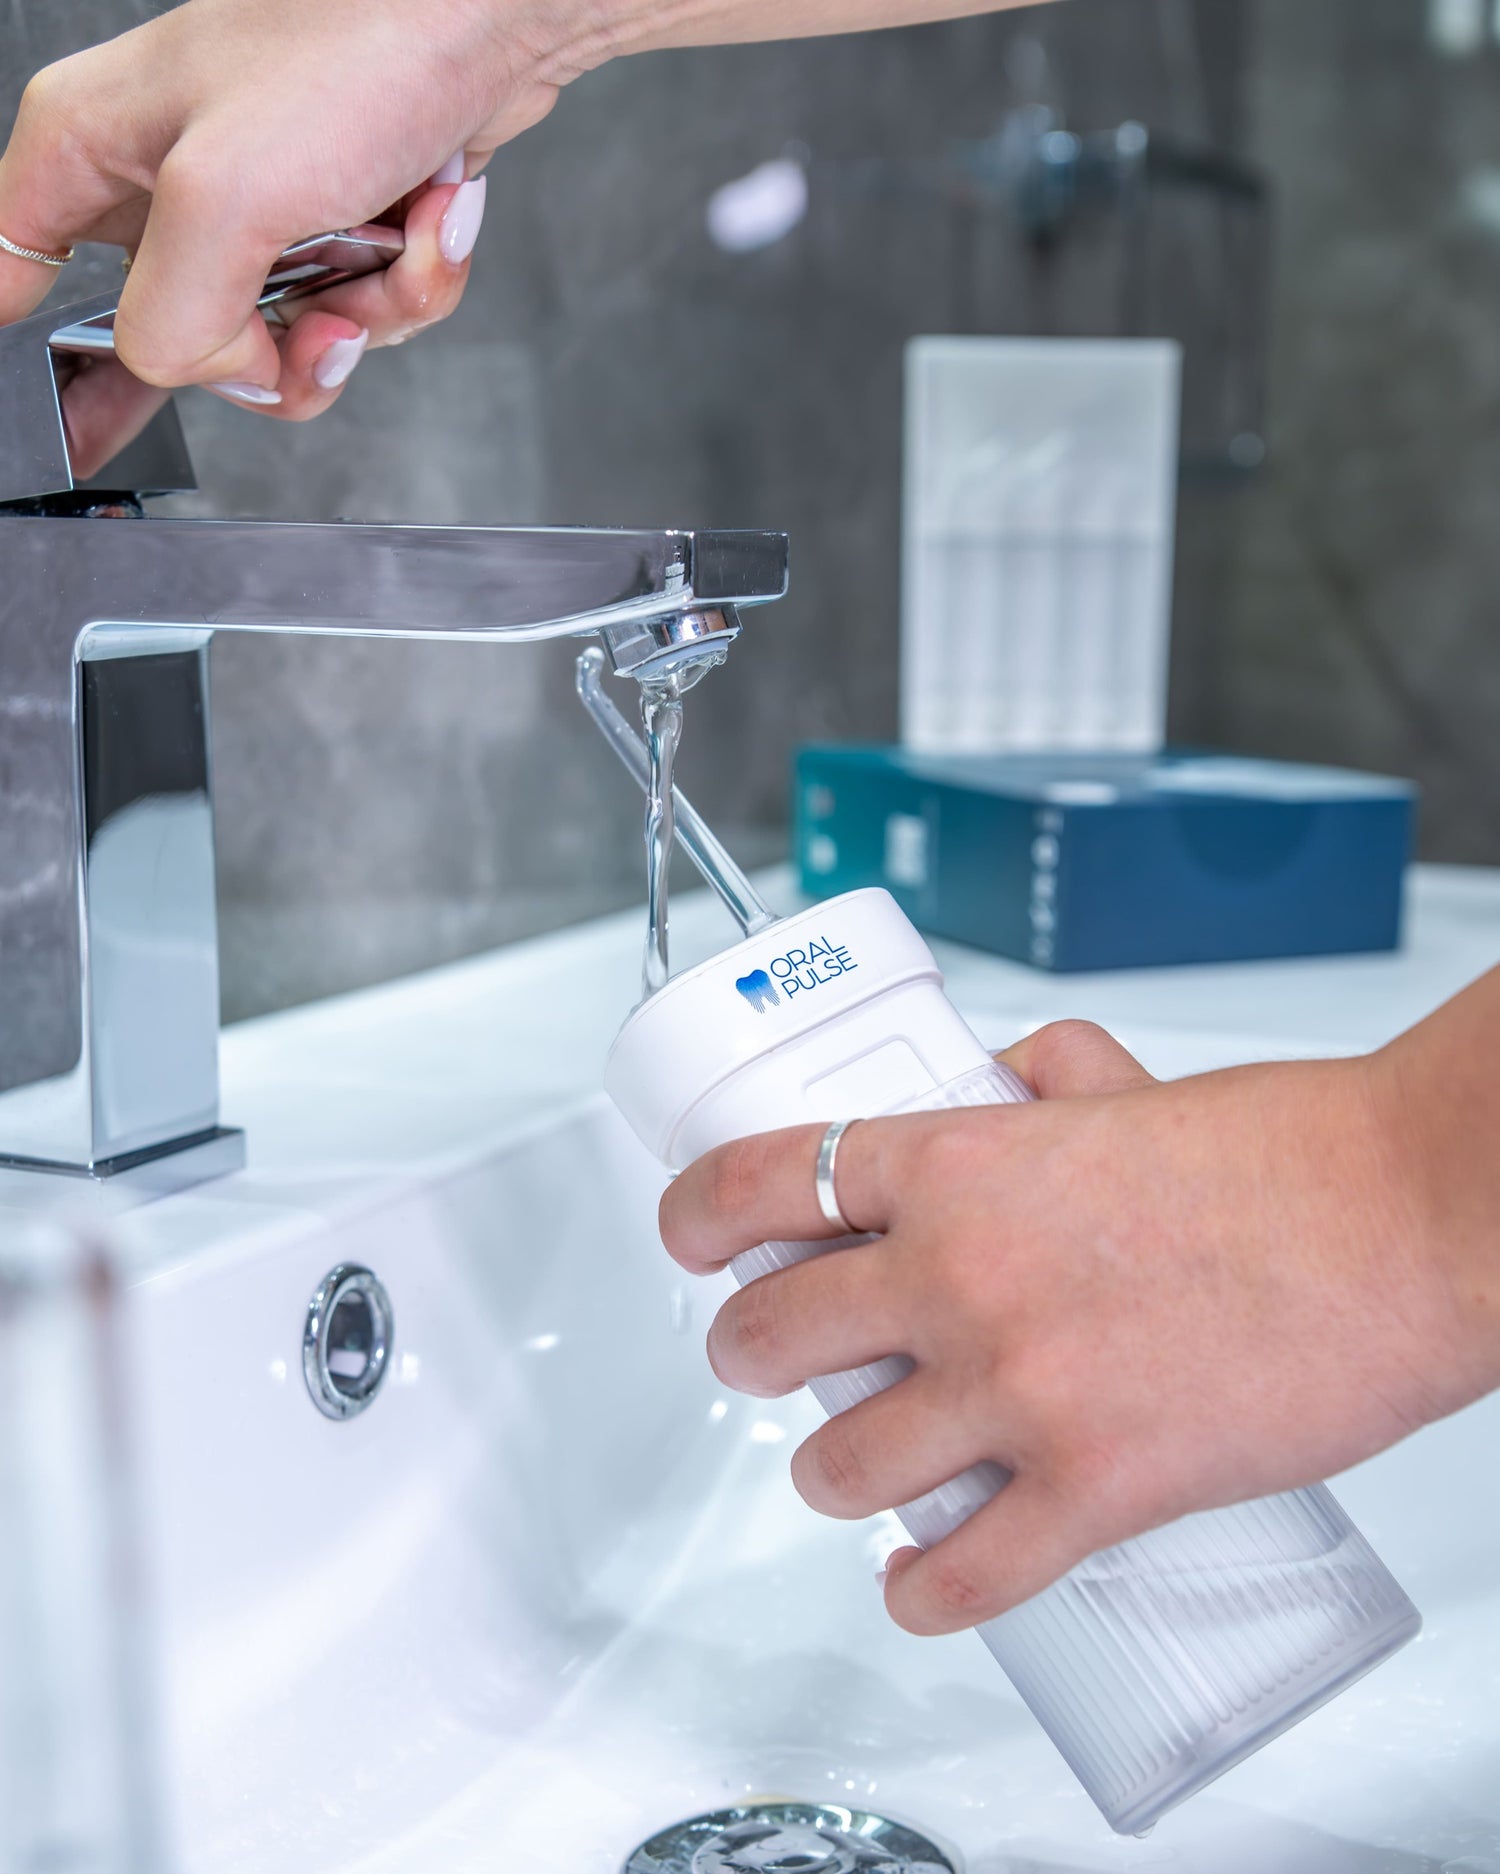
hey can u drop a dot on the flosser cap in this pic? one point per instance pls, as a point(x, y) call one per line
point(835, 1012)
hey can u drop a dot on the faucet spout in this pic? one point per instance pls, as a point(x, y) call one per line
point(108, 937)
point(348, 579)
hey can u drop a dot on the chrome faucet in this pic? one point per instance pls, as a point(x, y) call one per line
point(109, 989)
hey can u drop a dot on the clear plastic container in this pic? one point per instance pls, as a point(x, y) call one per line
point(1155, 1665)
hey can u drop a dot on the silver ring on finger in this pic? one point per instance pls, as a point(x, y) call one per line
point(828, 1197)
point(37, 254)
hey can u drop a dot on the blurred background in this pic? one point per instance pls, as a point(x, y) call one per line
point(1318, 224)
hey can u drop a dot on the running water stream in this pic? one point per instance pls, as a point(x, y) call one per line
point(661, 714)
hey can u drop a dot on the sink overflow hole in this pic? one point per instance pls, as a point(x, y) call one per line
point(346, 1342)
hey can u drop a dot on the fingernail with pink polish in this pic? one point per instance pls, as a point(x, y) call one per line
point(247, 393)
point(459, 228)
point(451, 171)
point(337, 363)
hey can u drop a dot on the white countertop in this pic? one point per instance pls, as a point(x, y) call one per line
point(520, 1033)
point(1303, 1005)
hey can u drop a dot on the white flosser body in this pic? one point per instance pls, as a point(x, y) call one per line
point(1153, 1666)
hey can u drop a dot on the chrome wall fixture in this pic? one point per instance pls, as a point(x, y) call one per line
point(108, 936)
point(346, 1341)
point(1054, 177)
point(1031, 179)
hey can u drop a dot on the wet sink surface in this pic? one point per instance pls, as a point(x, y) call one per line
point(554, 1589)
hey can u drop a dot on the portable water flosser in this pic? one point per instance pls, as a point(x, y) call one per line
point(1155, 1665)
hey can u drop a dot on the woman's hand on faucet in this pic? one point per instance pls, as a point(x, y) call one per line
point(213, 137)
point(1142, 1299)
point(209, 139)
point(324, 338)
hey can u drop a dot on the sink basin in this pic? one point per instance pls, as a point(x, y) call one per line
point(553, 1589)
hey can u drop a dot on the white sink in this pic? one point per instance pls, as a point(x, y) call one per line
point(553, 1590)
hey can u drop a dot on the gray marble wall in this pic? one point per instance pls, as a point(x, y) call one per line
point(386, 806)
point(1361, 607)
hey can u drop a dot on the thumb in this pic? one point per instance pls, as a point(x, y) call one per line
point(1073, 1060)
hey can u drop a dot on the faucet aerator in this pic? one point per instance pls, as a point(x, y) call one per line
point(684, 645)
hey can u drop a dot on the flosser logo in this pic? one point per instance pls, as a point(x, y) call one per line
point(796, 973)
point(758, 990)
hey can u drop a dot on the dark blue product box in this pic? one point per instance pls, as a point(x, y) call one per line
point(1079, 862)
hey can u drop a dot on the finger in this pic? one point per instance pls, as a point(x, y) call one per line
point(425, 283)
point(1020, 1543)
point(763, 1189)
point(188, 312)
point(318, 355)
point(828, 1314)
point(1066, 1060)
point(104, 408)
point(24, 284)
point(887, 1450)
point(50, 196)
point(455, 170)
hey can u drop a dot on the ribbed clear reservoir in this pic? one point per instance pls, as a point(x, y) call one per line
point(1158, 1664)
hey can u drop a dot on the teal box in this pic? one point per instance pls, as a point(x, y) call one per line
point(1076, 862)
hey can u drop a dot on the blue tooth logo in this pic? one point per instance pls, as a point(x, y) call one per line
point(758, 990)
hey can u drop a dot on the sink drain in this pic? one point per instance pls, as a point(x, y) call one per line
point(789, 1838)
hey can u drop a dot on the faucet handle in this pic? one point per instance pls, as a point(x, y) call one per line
point(308, 266)
point(34, 459)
